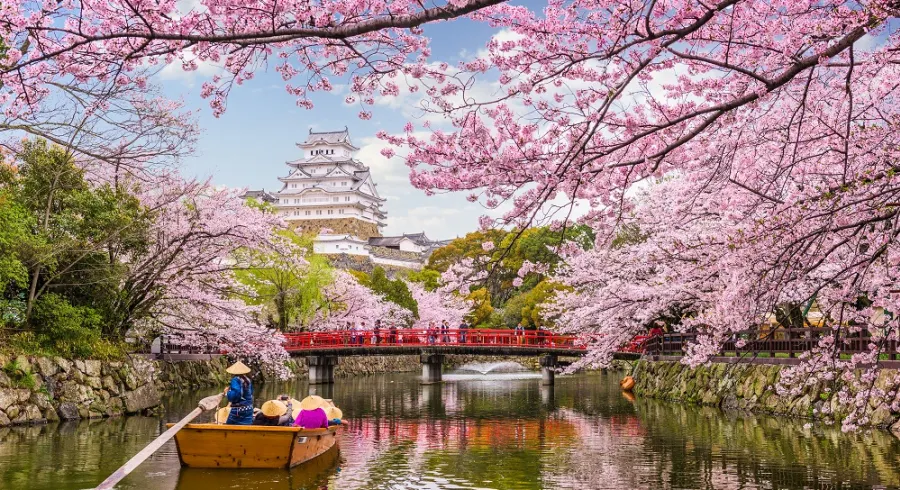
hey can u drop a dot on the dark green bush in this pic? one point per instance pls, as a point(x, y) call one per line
point(66, 329)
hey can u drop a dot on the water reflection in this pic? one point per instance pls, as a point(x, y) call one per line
point(583, 433)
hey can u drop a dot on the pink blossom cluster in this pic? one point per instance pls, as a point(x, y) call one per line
point(349, 302)
point(437, 306)
point(184, 285)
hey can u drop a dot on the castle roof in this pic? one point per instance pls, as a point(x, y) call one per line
point(260, 195)
point(329, 138)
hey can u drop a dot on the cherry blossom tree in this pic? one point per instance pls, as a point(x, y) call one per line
point(348, 301)
point(773, 124)
point(437, 306)
point(183, 286)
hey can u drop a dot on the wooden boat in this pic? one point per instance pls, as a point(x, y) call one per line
point(251, 446)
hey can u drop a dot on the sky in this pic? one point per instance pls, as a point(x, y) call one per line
point(248, 145)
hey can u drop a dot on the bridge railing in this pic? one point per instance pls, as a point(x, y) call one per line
point(781, 342)
point(410, 337)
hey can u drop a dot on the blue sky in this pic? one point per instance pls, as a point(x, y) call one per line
point(249, 145)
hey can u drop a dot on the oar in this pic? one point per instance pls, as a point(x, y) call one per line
point(208, 403)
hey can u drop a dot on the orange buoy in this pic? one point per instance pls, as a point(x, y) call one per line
point(627, 383)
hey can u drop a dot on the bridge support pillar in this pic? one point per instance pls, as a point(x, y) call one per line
point(321, 369)
point(548, 366)
point(431, 367)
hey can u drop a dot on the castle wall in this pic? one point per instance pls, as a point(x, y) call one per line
point(339, 226)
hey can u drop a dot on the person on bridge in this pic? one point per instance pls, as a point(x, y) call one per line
point(377, 332)
point(520, 333)
point(240, 395)
point(392, 333)
point(361, 338)
point(432, 333)
point(445, 332)
point(463, 329)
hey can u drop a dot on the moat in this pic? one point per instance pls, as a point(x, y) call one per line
point(501, 431)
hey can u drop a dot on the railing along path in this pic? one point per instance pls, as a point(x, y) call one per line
point(410, 337)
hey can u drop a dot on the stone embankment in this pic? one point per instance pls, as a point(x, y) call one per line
point(40, 389)
point(751, 387)
point(36, 390)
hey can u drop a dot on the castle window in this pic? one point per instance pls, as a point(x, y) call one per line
point(329, 211)
point(308, 213)
point(340, 211)
point(319, 212)
point(347, 198)
point(344, 183)
point(336, 199)
point(293, 186)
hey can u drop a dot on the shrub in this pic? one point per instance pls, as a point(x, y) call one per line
point(20, 375)
point(66, 329)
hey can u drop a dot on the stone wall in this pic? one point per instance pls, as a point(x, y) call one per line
point(750, 387)
point(49, 389)
point(393, 253)
point(36, 390)
point(362, 263)
point(339, 226)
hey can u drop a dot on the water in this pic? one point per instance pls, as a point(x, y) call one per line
point(490, 368)
point(481, 433)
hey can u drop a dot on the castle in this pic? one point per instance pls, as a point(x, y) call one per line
point(328, 193)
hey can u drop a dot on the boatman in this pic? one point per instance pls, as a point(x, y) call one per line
point(240, 395)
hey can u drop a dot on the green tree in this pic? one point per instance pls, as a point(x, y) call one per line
point(393, 290)
point(429, 278)
point(288, 281)
point(62, 240)
point(79, 231)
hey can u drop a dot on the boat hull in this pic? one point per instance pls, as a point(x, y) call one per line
point(250, 446)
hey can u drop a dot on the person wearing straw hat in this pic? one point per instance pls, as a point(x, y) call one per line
point(334, 415)
point(274, 413)
point(312, 413)
point(240, 395)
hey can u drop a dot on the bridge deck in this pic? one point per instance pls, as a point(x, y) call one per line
point(415, 341)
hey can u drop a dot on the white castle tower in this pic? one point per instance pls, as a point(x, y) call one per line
point(326, 189)
point(329, 194)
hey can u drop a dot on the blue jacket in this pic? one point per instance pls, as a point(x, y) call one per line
point(240, 392)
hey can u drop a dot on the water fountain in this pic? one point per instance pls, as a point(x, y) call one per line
point(486, 368)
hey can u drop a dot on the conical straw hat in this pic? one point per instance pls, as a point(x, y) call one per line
point(222, 415)
point(274, 408)
point(334, 413)
point(238, 368)
point(312, 402)
point(295, 408)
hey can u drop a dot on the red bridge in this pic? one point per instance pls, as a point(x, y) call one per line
point(416, 341)
point(322, 349)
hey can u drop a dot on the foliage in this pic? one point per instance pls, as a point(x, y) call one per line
point(349, 303)
point(394, 290)
point(430, 279)
point(71, 331)
point(504, 262)
point(534, 310)
point(288, 281)
point(20, 375)
point(482, 312)
point(768, 129)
